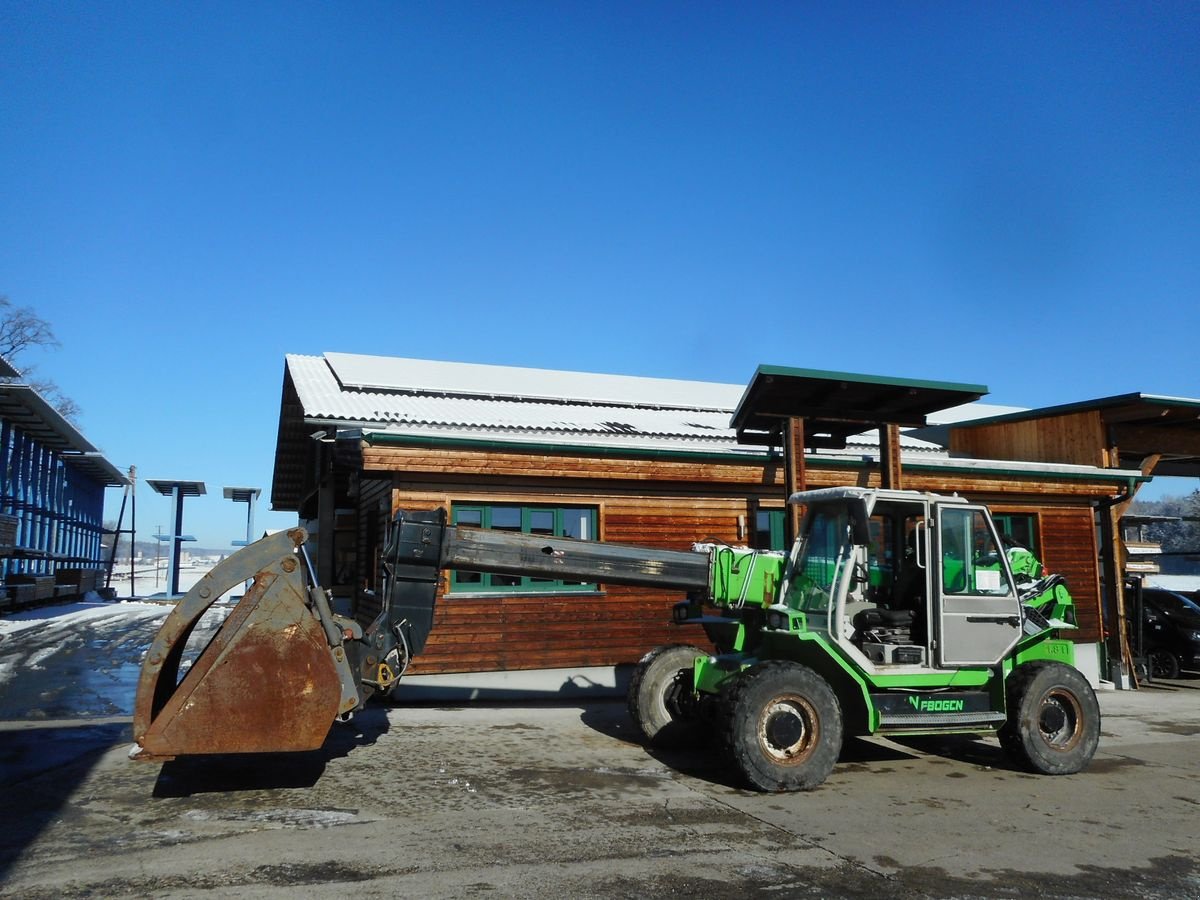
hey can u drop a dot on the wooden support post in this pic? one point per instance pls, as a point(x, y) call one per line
point(1114, 556)
point(794, 476)
point(890, 476)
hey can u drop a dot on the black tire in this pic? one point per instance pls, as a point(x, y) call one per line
point(782, 727)
point(1053, 722)
point(659, 692)
point(1162, 663)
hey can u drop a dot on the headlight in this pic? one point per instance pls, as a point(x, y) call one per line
point(776, 621)
point(1194, 635)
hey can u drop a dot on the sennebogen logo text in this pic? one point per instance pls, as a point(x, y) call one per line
point(926, 704)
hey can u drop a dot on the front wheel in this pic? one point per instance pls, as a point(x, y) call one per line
point(782, 727)
point(1053, 724)
point(659, 695)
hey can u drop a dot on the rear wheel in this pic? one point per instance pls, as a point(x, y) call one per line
point(1162, 663)
point(660, 695)
point(782, 727)
point(1053, 722)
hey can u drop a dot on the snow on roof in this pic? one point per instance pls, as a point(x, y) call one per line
point(969, 412)
point(465, 401)
point(423, 376)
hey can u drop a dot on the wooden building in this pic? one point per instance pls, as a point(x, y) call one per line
point(630, 460)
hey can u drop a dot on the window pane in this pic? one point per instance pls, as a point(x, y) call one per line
point(506, 518)
point(472, 517)
point(762, 530)
point(816, 568)
point(970, 558)
point(541, 521)
point(577, 524)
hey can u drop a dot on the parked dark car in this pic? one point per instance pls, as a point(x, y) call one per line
point(1170, 632)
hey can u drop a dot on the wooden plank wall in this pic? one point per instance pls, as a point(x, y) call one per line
point(1076, 439)
point(1069, 548)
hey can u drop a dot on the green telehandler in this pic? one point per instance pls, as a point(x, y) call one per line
point(895, 612)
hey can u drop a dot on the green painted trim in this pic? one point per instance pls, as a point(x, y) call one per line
point(926, 680)
point(885, 381)
point(751, 458)
point(1045, 412)
point(421, 440)
point(1045, 646)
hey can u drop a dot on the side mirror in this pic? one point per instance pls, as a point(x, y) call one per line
point(860, 522)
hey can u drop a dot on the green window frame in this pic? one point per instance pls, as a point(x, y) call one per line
point(579, 522)
point(1022, 528)
point(769, 529)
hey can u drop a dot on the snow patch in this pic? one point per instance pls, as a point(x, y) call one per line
point(68, 615)
point(281, 818)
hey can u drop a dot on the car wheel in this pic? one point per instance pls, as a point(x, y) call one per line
point(1162, 663)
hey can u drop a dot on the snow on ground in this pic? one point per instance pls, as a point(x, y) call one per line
point(81, 659)
point(96, 614)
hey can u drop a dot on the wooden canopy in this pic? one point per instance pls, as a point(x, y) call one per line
point(836, 405)
point(801, 409)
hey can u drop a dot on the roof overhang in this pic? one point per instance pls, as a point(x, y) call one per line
point(1139, 426)
point(26, 409)
point(33, 414)
point(96, 467)
point(837, 405)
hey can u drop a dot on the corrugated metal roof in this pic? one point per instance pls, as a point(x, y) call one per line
point(392, 374)
point(476, 408)
point(29, 411)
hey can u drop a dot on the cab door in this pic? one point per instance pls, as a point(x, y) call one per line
point(977, 609)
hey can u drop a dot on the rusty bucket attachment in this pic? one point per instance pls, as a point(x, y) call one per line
point(274, 676)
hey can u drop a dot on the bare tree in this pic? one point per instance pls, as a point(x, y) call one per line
point(20, 329)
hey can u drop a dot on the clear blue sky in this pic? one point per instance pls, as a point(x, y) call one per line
point(995, 193)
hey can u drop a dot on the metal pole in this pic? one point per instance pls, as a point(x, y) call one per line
point(132, 522)
point(176, 544)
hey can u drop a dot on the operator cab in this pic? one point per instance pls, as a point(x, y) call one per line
point(903, 579)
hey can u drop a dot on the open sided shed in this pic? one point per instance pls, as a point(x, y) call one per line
point(1147, 433)
point(52, 482)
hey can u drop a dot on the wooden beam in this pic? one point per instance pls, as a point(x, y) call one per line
point(795, 477)
point(1140, 439)
point(889, 456)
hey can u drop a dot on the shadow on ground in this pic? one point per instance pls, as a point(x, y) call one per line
point(694, 750)
point(42, 768)
point(223, 773)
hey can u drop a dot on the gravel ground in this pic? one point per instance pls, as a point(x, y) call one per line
point(559, 800)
